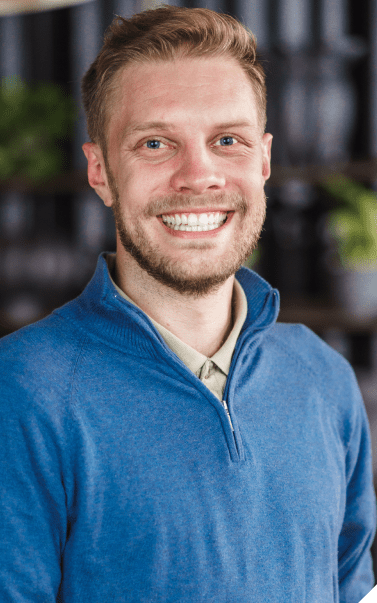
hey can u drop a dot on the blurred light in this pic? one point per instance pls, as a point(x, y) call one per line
point(11, 7)
point(22, 309)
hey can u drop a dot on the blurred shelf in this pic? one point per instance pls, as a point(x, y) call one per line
point(365, 171)
point(77, 181)
point(320, 316)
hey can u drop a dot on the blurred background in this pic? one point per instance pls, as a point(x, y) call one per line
point(319, 245)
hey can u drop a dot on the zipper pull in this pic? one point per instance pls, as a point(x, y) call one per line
point(228, 413)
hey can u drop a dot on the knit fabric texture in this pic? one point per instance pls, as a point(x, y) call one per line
point(122, 480)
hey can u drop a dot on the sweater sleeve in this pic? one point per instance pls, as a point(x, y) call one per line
point(33, 516)
point(356, 537)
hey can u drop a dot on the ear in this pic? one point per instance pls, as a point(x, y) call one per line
point(97, 176)
point(266, 156)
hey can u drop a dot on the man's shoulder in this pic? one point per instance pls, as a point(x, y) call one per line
point(37, 376)
point(309, 350)
point(43, 351)
point(325, 369)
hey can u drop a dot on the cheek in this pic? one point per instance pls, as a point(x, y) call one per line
point(250, 186)
point(139, 181)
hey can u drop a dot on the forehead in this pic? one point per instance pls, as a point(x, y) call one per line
point(185, 91)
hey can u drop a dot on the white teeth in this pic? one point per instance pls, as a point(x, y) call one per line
point(203, 219)
point(194, 222)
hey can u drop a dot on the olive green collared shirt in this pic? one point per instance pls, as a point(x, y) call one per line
point(211, 371)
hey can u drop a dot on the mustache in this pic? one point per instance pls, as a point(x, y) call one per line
point(222, 202)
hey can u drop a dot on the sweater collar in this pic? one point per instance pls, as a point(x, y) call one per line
point(101, 310)
point(191, 357)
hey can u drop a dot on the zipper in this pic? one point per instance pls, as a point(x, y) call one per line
point(238, 455)
point(228, 413)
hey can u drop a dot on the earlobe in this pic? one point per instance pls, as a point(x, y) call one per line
point(97, 177)
point(266, 159)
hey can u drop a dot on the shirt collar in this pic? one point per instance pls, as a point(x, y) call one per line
point(193, 359)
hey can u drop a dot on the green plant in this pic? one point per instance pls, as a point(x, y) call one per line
point(254, 258)
point(353, 225)
point(34, 124)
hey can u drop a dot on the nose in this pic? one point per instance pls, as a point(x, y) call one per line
point(198, 171)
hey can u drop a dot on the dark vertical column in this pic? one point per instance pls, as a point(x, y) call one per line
point(39, 37)
point(62, 50)
point(86, 40)
point(373, 79)
point(124, 8)
point(12, 46)
point(255, 15)
point(107, 13)
point(358, 28)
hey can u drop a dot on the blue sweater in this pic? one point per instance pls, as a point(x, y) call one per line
point(122, 480)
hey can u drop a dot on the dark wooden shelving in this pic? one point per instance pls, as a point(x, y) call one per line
point(75, 181)
point(320, 316)
point(366, 171)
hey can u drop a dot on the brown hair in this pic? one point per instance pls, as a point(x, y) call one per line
point(166, 33)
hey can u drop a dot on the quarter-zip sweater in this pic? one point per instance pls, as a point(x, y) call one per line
point(122, 480)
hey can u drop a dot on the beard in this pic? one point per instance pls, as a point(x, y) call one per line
point(172, 272)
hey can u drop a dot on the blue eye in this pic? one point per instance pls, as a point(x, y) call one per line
point(226, 141)
point(149, 144)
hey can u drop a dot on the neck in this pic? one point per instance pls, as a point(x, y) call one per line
point(203, 323)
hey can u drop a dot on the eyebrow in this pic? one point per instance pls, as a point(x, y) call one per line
point(162, 125)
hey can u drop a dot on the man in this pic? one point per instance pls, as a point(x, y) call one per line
point(164, 438)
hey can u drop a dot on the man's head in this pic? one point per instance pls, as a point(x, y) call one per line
point(181, 141)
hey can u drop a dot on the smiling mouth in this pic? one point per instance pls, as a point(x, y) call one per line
point(190, 222)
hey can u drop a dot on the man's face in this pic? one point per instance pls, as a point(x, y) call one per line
point(186, 169)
